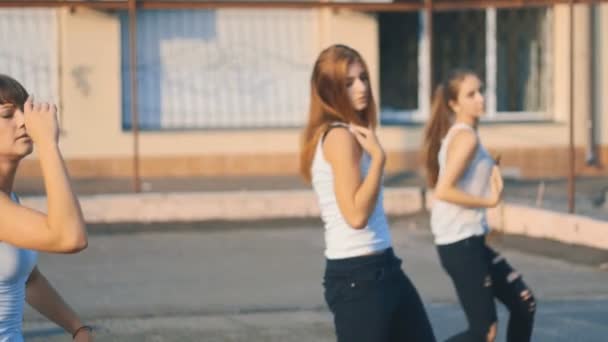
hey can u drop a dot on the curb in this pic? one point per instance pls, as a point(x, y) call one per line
point(538, 223)
point(229, 206)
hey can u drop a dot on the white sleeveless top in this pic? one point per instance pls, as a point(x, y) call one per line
point(342, 240)
point(451, 222)
point(16, 264)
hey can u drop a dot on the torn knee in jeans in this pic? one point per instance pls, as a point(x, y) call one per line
point(498, 259)
point(513, 276)
point(492, 332)
point(528, 298)
point(487, 282)
point(528, 302)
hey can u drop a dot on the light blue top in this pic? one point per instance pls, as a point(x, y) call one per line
point(16, 264)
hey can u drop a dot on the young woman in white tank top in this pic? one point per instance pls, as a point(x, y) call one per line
point(369, 295)
point(23, 231)
point(467, 181)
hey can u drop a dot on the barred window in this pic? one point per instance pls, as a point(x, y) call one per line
point(224, 68)
point(28, 50)
point(521, 60)
point(399, 40)
point(510, 50)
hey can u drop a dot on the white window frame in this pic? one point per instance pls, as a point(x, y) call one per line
point(422, 113)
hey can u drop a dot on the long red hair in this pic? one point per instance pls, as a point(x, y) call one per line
point(329, 101)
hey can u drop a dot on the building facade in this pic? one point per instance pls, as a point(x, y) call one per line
point(225, 92)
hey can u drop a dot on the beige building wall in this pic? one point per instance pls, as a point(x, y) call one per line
point(91, 39)
point(561, 70)
point(92, 119)
point(90, 103)
point(95, 145)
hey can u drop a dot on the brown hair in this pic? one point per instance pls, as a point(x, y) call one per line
point(329, 101)
point(440, 122)
point(11, 91)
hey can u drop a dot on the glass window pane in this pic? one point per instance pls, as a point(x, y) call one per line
point(459, 41)
point(521, 68)
point(399, 34)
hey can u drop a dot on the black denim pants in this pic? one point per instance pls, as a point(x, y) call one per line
point(479, 275)
point(372, 300)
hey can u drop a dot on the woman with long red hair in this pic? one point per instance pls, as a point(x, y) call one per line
point(371, 298)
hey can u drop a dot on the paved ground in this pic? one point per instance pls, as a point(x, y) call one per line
point(262, 282)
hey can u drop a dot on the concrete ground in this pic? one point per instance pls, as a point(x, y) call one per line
point(261, 281)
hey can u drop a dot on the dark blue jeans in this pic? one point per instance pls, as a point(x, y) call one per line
point(372, 300)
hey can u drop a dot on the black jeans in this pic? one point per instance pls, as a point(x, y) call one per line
point(479, 274)
point(372, 300)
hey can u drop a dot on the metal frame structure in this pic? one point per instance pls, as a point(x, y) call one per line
point(399, 6)
point(429, 6)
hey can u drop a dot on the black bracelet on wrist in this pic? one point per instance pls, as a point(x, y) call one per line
point(84, 327)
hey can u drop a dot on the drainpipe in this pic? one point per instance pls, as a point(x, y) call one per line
point(571, 151)
point(596, 72)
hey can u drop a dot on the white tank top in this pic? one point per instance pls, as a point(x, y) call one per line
point(451, 222)
point(342, 240)
point(16, 264)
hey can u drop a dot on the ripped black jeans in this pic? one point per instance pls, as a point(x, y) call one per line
point(479, 275)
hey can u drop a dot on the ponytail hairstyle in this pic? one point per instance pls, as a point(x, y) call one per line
point(442, 117)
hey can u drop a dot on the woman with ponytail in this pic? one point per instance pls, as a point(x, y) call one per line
point(466, 181)
point(371, 299)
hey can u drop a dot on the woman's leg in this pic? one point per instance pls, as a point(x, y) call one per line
point(410, 322)
point(468, 267)
point(362, 299)
point(511, 290)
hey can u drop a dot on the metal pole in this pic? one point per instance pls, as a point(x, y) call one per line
point(134, 113)
point(428, 7)
point(572, 158)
